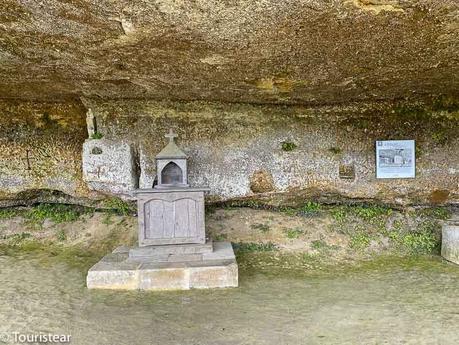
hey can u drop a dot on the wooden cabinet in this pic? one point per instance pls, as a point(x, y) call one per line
point(171, 217)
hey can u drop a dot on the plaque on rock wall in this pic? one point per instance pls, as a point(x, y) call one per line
point(395, 159)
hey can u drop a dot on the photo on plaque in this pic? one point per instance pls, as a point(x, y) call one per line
point(395, 159)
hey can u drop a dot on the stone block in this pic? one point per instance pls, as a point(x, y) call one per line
point(222, 251)
point(450, 241)
point(121, 250)
point(118, 271)
point(109, 166)
point(184, 257)
point(113, 276)
point(164, 279)
point(115, 257)
point(214, 277)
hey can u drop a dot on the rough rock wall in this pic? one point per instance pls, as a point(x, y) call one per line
point(277, 154)
point(255, 51)
point(309, 52)
point(283, 154)
point(40, 151)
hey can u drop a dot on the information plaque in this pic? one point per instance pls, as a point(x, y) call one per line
point(395, 159)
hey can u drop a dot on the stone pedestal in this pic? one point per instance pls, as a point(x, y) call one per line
point(124, 270)
point(450, 240)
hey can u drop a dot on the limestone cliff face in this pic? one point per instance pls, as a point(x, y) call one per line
point(40, 151)
point(284, 154)
point(277, 154)
point(273, 100)
point(256, 51)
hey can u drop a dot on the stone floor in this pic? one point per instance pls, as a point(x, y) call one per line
point(402, 301)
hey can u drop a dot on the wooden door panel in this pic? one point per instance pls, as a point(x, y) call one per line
point(156, 224)
point(181, 217)
point(171, 218)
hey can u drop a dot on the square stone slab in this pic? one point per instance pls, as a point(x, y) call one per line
point(174, 249)
point(216, 269)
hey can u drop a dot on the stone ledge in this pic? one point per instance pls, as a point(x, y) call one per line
point(117, 271)
point(178, 249)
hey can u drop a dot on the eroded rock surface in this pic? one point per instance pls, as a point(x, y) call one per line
point(276, 154)
point(342, 74)
point(312, 51)
point(40, 150)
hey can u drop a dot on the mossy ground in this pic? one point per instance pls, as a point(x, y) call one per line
point(321, 237)
point(78, 236)
point(310, 237)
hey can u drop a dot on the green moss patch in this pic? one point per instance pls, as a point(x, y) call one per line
point(288, 146)
point(7, 213)
point(261, 227)
point(97, 135)
point(294, 233)
point(58, 213)
point(120, 206)
point(254, 247)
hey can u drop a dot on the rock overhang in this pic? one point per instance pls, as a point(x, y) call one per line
point(308, 52)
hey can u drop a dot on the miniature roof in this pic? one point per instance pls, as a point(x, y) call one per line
point(171, 150)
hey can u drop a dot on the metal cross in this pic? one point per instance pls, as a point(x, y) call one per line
point(171, 135)
point(27, 159)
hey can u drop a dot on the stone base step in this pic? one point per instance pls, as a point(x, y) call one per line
point(217, 269)
point(167, 252)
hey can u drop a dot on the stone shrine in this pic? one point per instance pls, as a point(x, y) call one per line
point(173, 251)
point(171, 212)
